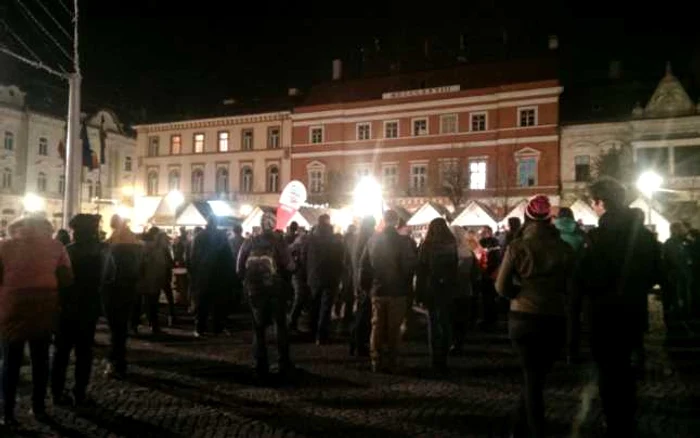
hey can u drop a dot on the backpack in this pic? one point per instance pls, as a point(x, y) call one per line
point(261, 271)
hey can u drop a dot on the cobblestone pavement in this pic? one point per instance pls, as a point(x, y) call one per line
point(179, 386)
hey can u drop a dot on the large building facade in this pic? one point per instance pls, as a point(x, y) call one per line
point(242, 158)
point(31, 162)
point(482, 132)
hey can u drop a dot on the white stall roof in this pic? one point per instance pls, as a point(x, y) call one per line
point(191, 217)
point(144, 209)
point(425, 214)
point(475, 215)
point(517, 211)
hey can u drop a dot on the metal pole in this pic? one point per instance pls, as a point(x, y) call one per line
point(71, 197)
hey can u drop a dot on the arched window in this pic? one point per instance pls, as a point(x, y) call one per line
point(246, 179)
point(127, 164)
point(7, 178)
point(174, 180)
point(273, 179)
point(222, 180)
point(197, 181)
point(316, 172)
point(98, 189)
point(41, 182)
point(152, 183)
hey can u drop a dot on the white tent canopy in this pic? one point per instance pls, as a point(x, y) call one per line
point(144, 209)
point(584, 213)
point(517, 211)
point(474, 215)
point(191, 217)
point(424, 215)
point(661, 224)
point(253, 220)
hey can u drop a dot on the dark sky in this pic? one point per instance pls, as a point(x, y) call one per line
point(157, 59)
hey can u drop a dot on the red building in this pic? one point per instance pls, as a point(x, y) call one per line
point(486, 132)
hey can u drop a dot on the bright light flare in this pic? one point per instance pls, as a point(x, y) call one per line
point(33, 203)
point(367, 198)
point(124, 212)
point(128, 191)
point(175, 199)
point(649, 182)
point(245, 209)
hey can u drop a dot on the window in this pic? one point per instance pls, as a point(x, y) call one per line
point(127, 164)
point(316, 134)
point(527, 172)
point(222, 180)
point(153, 144)
point(7, 179)
point(9, 141)
point(419, 177)
point(390, 176)
point(362, 171)
point(247, 140)
point(273, 137)
point(223, 141)
point(246, 179)
point(98, 189)
point(174, 180)
point(198, 143)
point(391, 129)
point(316, 180)
point(582, 168)
point(61, 185)
point(176, 144)
point(653, 158)
point(41, 182)
point(151, 183)
point(449, 172)
point(364, 131)
point(273, 179)
point(448, 124)
point(43, 146)
point(90, 189)
point(198, 181)
point(420, 127)
point(477, 174)
point(687, 161)
point(527, 116)
point(478, 121)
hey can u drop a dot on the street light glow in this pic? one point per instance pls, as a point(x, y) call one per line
point(367, 198)
point(245, 209)
point(128, 190)
point(175, 199)
point(33, 203)
point(649, 182)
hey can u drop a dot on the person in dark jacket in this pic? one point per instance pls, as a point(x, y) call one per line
point(119, 292)
point(361, 326)
point(63, 236)
point(536, 275)
point(438, 282)
point(265, 264)
point(235, 242)
point(514, 225)
point(678, 266)
point(179, 265)
point(385, 267)
point(79, 310)
point(347, 293)
point(157, 267)
point(469, 277)
point(493, 251)
point(619, 266)
point(300, 284)
point(324, 267)
point(212, 277)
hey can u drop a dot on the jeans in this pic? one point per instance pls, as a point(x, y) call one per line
point(301, 299)
point(440, 333)
point(362, 324)
point(169, 295)
point(151, 303)
point(387, 315)
point(321, 307)
point(265, 310)
point(537, 341)
point(118, 321)
point(210, 303)
point(13, 353)
point(81, 336)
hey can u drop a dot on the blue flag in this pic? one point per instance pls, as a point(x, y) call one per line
point(89, 159)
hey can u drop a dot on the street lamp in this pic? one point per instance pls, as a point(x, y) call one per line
point(175, 199)
point(33, 203)
point(367, 198)
point(648, 183)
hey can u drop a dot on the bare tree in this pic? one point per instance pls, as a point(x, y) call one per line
point(453, 182)
point(615, 163)
point(336, 190)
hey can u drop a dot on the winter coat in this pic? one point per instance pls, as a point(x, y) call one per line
point(570, 232)
point(438, 273)
point(82, 301)
point(387, 265)
point(469, 275)
point(537, 271)
point(124, 269)
point(29, 265)
point(323, 258)
point(155, 268)
point(358, 249)
point(283, 258)
point(212, 262)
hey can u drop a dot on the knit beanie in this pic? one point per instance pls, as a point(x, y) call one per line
point(539, 208)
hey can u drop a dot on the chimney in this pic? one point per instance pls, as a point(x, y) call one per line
point(615, 70)
point(337, 69)
point(293, 92)
point(553, 42)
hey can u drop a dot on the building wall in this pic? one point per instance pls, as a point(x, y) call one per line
point(261, 158)
point(500, 143)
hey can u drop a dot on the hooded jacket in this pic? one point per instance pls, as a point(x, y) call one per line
point(324, 258)
point(569, 232)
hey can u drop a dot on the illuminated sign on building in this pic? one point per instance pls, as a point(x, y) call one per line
point(421, 92)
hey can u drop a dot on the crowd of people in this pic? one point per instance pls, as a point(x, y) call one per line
point(542, 272)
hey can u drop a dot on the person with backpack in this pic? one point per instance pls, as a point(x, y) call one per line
point(119, 292)
point(469, 276)
point(536, 276)
point(79, 310)
point(438, 282)
point(265, 265)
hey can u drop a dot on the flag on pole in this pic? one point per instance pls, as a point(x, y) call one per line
point(62, 146)
point(103, 140)
point(89, 158)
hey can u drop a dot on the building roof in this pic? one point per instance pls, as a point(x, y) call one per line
point(469, 76)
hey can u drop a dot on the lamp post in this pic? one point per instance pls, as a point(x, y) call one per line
point(648, 183)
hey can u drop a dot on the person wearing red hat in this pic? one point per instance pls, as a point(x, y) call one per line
point(535, 275)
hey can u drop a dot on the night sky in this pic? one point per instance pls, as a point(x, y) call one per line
point(151, 60)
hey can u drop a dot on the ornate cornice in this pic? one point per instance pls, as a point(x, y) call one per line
point(215, 122)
